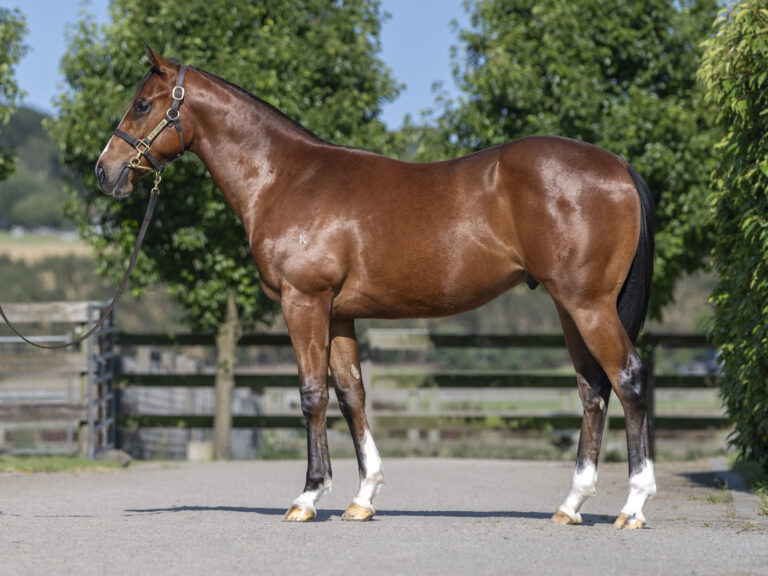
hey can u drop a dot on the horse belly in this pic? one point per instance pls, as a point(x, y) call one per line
point(424, 284)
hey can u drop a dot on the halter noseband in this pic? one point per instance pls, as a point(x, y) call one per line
point(171, 117)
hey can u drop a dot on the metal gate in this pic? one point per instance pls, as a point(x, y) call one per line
point(102, 364)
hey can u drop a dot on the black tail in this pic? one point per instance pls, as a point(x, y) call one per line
point(634, 295)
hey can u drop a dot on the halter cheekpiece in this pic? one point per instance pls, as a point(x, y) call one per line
point(172, 116)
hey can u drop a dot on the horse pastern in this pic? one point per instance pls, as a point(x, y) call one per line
point(634, 524)
point(562, 518)
point(628, 522)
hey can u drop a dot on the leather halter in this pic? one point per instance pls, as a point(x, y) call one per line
point(172, 116)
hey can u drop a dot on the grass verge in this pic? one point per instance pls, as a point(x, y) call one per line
point(33, 464)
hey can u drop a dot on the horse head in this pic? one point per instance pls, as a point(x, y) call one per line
point(143, 144)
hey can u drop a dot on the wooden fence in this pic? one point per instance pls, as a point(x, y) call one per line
point(419, 398)
point(405, 400)
point(43, 396)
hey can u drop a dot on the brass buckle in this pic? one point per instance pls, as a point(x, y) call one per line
point(180, 96)
point(138, 147)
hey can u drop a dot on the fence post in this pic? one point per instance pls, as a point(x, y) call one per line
point(226, 343)
point(91, 383)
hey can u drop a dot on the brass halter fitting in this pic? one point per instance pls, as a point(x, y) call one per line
point(141, 149)
point(156, 185)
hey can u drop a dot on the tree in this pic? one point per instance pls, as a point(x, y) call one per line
point(316, 60)
point(617, 73)
point(12, 30)
point(735, 72)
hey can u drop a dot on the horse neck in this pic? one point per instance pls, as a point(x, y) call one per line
point(243, 142)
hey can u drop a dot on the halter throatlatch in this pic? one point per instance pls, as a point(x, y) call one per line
point(143, 145)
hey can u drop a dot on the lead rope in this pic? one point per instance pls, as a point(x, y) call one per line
point(154, 193)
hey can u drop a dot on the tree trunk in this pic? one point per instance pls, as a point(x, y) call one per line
point(226, 345)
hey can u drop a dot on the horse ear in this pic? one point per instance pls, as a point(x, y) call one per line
point(157, 61)
point(150, 55)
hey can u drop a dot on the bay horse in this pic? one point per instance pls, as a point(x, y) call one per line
point(339, 233)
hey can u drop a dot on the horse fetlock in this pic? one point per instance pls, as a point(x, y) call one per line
point(312, 494)
point(642, 487)
point(583, 485)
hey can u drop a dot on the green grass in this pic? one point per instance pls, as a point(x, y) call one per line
point(722, 496)
point(34, 239)
point(33, 464)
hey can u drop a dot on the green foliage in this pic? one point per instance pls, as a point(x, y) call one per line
point(12, 30)
point(735, 72)
point(316, 60)
point(617, 73)
point(34, 194)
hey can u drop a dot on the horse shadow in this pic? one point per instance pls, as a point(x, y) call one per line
point(325, 515)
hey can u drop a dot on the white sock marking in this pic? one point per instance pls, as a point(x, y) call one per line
point(371, 483)
point(308, 499)
point(583, 485)
point(642, 487)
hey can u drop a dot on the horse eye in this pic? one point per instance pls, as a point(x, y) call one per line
point(141, 106)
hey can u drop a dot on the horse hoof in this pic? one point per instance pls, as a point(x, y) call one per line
point(625, 522)
point(358, 513)
point(562, 519)
point(298, 514)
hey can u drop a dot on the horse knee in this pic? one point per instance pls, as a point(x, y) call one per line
point(314, 400)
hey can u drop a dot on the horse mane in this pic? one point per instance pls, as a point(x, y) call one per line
point(271, 110)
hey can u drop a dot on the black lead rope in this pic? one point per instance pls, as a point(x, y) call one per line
point(142, 232)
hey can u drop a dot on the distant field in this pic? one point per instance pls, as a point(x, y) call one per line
point(32, 248)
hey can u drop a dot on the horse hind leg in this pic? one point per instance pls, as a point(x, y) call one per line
point(595, 391)
point(601, 329)
point(347, 381)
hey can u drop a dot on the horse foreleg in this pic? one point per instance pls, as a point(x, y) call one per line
point(347, 380)
point(595, 391)
point(307, 317)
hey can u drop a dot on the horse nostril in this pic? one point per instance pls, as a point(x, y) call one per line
point(101, 174)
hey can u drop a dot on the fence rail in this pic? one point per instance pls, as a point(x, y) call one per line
point(78, 377)
point(376, 342)
point(415, 388)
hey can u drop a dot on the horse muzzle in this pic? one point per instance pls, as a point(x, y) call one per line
point(116, 182)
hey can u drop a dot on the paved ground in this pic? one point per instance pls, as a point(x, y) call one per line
point(435, 517)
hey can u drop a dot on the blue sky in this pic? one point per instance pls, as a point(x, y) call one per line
point(416, 42)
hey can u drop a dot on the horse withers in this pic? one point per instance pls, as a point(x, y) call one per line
point(340, 233)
